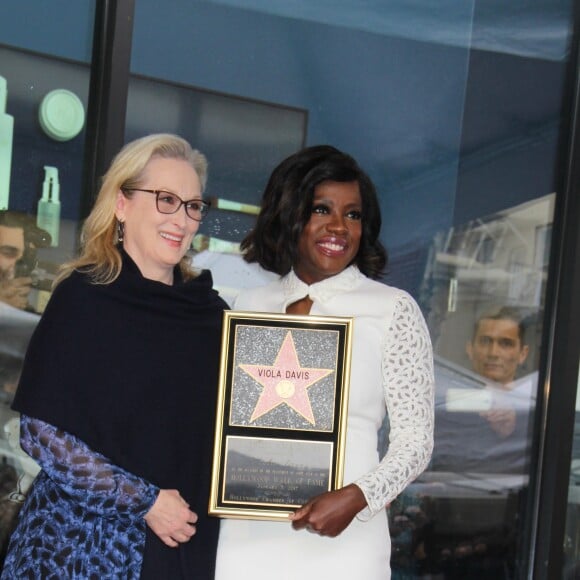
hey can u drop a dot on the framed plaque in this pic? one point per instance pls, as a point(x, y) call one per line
point(281, 413)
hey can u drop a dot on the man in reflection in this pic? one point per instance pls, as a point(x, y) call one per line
point(497, 350)
point(460, 519)
point(13, 289)
point(20, 238)
point(482, 452)
point(497, 347)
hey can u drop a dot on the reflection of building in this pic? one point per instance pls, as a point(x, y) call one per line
point(465, 512)
point(502, 255)
point(501, 259)
point(231, 273)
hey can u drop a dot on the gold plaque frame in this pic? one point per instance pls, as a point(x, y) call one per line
point(281, 413)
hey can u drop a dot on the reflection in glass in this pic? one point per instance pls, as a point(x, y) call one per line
point(572, 534)
point(243, 140)
point(465, 510)
point(47, 97)
point(46, 177)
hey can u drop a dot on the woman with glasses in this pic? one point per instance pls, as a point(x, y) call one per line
point(319, 230)
point(117, 392)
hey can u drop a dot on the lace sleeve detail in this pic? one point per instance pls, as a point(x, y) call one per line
point(84, 475)
point(408, 383)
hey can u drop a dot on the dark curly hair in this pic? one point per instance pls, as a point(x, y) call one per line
point(33, 235)
point(287, 205)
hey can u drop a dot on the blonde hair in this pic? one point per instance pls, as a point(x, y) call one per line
point(99, 255)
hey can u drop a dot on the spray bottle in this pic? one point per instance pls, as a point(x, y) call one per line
point(6, 134)
point(48, 215)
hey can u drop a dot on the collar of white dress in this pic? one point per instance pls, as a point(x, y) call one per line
point(295, 289)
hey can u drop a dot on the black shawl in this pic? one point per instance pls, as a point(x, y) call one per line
point(131, 368)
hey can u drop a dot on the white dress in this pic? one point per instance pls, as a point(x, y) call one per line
point(392, 369)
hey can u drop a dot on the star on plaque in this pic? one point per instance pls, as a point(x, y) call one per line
point(285, 382)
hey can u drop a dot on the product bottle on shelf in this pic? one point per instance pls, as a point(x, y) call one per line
point(48, 215)
point(6, 136)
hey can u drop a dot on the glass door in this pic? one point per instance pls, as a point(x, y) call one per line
point(44, 87)
point(455, 114)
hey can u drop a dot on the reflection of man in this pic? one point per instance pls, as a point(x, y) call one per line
point(476, 484)
point(497, 348)
point(13, 290)
point(20, 238)
point(482, 417)
point(496, 351)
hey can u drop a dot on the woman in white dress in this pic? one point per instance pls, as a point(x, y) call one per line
point(319, 230)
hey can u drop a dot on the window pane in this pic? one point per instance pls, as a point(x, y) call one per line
point(243, 139)
point(44, 72)
point(572, 536)
point(483, 291)
point(454, 110)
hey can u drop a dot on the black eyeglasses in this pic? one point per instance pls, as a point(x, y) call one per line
point(168, 203)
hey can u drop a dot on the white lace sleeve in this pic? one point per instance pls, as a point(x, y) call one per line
point(408, 383)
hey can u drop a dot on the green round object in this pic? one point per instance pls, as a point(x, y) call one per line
point(61, 115)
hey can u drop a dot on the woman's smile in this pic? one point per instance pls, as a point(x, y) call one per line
point(330, 240)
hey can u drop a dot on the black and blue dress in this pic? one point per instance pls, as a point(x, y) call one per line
point(117, 397)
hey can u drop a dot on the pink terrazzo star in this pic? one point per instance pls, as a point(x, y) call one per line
point(285, 382)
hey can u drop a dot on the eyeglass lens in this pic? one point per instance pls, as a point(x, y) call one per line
point(168, 202)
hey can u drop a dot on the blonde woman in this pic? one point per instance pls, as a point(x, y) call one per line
point(117, 391)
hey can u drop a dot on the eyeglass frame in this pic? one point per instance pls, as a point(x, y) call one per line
point(206, 205)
